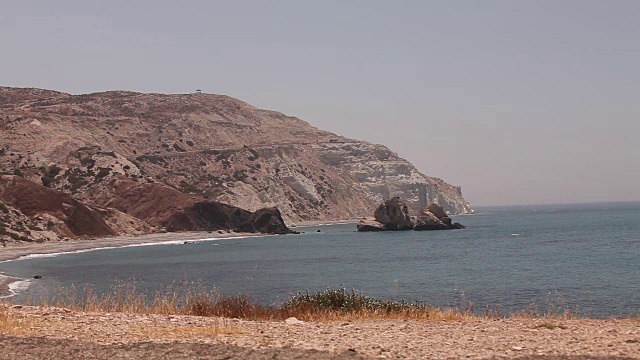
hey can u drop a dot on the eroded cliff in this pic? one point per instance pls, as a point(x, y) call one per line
point(204, 146)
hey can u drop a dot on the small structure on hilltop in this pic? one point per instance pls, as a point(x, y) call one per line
point(198, 91)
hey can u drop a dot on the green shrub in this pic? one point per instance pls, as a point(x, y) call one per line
point(103, 172)
point(46, 181)
point(53, 171)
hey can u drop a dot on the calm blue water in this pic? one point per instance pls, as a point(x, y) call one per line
point(580, 257)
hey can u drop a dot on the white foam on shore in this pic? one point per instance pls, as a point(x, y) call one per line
point(346, 222)
point(337, 223)
point(168, 242)
point(16, 287)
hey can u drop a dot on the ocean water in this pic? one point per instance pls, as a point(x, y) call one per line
point(584, 258)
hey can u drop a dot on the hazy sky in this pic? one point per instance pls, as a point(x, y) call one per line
point(517, 101)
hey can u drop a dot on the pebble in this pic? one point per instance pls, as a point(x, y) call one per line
point(293, 321)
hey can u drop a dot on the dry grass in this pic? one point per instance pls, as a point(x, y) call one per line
point(13, 323)
point(7, 322)
point(124, 297)
point(328, 305)
point(183, 332)
point(550, 326)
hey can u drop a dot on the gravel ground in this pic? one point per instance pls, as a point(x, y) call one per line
point(39, 332)
point(42, 348)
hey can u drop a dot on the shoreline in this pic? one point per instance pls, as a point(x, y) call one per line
point(5, 288)
point(16, 251)
point(24, 250)
point(311, 223)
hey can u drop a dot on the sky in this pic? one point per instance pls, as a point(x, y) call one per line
point(519, 102)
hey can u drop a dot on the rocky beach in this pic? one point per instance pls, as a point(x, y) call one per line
point(46, 333)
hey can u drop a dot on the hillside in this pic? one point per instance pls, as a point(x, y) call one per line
point(206, 147)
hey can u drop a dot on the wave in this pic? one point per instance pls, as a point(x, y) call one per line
point(15, 287)
point(346, 222)
point(18, 285)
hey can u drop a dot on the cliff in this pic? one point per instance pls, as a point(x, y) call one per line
point(209, 147)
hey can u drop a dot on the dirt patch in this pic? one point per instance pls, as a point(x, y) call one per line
point(39, 348)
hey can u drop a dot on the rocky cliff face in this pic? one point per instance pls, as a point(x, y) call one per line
point(381, 174)
point(209, 147)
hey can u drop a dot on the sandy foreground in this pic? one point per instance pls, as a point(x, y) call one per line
point(407, 339)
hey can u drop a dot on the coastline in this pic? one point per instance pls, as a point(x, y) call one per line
point(5, 289)
point(16, 251)
point(310, 223)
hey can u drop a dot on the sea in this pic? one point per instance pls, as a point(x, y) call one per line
point(545, 259)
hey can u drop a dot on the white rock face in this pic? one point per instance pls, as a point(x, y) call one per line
point(382, 174)
point(302, 185)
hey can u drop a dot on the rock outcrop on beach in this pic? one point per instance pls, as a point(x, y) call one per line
point(208, 147)
point(33, 212)
point(266, 220)
point(165, 207)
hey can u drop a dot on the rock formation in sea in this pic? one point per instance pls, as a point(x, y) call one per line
point(433, 217)
point(209, 148)
point(370, 225)
point(394, 215)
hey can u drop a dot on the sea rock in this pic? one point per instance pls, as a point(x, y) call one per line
point(426, 220)
point(437, 210)
point(433, 217)
point(394, 214)
point(370, 225)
